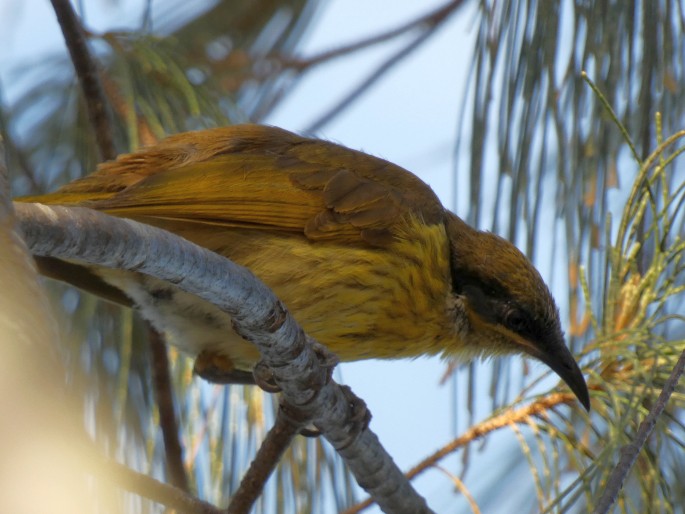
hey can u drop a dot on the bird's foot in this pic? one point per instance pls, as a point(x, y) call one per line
point(219, 369)
point(264, 378)
point(360, 417)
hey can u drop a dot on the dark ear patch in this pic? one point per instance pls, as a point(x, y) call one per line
point(478, 301)
point(494, 306)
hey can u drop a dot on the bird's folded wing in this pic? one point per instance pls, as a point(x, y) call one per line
point(257, 177)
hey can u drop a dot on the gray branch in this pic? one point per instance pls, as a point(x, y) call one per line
point(294, 360)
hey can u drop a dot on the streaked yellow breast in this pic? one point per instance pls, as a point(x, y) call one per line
point(361, 302)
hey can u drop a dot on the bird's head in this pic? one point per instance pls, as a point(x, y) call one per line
point(508, 306)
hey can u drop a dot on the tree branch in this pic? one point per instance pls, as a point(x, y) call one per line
point(164, 394)
point(157, 491)
point(298, 366)
point(272, 448)
point(87, 73)
point(426, 22)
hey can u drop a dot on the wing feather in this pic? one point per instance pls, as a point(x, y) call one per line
point(258, 177)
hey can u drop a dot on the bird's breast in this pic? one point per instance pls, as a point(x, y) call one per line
point(361, 302)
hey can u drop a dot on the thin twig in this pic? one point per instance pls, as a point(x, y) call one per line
point(482, 429)
point(270, 451)
point(612, 114)
point(630, 452)
point(164, 394)
point(302, 65)
point(430, 22)
point(157, 491)
point(87, 73)
point(461, 487)
point(367, 82)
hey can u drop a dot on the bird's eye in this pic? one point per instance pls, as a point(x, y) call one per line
point(516, 320)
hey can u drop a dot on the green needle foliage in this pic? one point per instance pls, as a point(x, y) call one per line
point(639, 337)
point(594, 194)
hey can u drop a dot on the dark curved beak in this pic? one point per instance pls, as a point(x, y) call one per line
point(558, 357)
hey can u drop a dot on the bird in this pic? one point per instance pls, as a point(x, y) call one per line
point(361, 252)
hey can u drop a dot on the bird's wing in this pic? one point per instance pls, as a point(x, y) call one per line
point(258, 177)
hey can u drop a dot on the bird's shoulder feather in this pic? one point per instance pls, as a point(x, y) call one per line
point(259, 177)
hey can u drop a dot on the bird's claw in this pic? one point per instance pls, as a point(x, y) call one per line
point(264, 378)
point(359, 419)
point(219, 369)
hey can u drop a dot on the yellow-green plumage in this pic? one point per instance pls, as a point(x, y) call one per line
point(361, 251)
